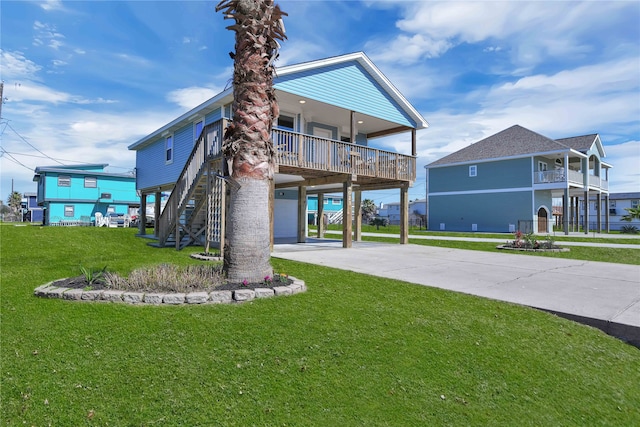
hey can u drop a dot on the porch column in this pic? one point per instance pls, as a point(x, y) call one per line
point(586, 195)
point(606, 212)
point(414, 150)
point(142, 215)
point(347, 189)
point(357, 209)
point(404, 215)
point(302, 214)
point(599, 212)
point(352, 130)
point(586, 211)
point(565, 211)
point(321, 224)
point(156, 213)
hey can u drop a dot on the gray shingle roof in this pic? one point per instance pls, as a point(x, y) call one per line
point(513, 141)
point(579, 143)
point(623, 196)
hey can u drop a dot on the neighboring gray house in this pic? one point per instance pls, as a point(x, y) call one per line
point(507, 181)
point(417, 212)
point(617, 206)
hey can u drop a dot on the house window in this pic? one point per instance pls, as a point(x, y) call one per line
point(197, 129)
point(326, 201)
point(286, 122)
point(335, 201)
point(168, 149)
point(64, 181)
point(634, 204)
point(542, 166)
point(612, 203)
point(68, 210)
point(111, 209)
point(90, 182)
point(473, 170)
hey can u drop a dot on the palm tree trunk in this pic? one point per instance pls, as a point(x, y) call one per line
point(247, 146)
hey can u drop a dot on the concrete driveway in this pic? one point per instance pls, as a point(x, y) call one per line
point(603, 295)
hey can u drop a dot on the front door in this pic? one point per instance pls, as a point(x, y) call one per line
point(543, 219)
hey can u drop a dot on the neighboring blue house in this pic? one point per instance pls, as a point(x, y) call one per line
point(72, 195)
point(331, 112)
point(331, 207)
point(617, 206)
point(507, 182)
point(33, 212)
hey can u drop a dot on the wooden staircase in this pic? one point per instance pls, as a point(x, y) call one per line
point(194, 212)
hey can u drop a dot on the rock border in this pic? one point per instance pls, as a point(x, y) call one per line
point(509, 248)
point(205, 257)
point(154, 298)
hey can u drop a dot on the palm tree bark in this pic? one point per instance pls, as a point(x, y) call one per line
point(247, 146)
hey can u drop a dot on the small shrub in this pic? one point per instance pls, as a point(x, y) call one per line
point(629, 229)
point(169, 278)
point(93, 276)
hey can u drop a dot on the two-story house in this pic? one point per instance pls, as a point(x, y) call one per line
point(507, 182)
point(617, 207)
point(331, 112)
point(72, 195)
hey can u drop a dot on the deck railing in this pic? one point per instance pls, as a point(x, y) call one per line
point(573, 177)
point(312, 152)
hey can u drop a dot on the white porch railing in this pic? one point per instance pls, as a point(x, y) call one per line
point(572, 177)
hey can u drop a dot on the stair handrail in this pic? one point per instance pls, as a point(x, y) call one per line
point(205, 148)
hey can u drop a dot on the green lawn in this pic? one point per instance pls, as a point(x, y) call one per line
point(352, 350)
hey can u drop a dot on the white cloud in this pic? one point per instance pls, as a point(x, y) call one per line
point(49, 5)
point(193, 96)
point(47, 35)
point(532, 30)
point(16, 66)
point(30, 91)
point(625, 175)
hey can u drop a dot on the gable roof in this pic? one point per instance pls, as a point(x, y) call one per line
point(361, 59)
point(282, 75)
point(511, 142)
point(85, 169)
point(584, 143)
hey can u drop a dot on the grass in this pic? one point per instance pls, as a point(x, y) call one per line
point(352, 350)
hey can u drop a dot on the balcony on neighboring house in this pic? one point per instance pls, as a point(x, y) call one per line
point(573, 178)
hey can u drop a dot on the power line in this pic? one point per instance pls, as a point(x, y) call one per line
point(31, 145)
point(13, 159)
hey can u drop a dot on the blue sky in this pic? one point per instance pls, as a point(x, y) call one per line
point(85, 79)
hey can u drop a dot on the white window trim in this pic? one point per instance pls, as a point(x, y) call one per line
point(336, 201)
point(542, 166)
point(71, 211)
point(166, 149)
point(295, 121)
point(62, 179)
point(635, 203)
point(473, 171)
point(91, 179)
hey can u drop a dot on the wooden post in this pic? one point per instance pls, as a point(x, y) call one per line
point(142, 215)
point(404, 215)
point(302, 214)
point(358, 215)
point(413, 143)
point(320, 211)
point(346, 213)
point(156, 212)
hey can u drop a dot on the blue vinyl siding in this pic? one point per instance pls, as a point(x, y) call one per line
point(329, 205)
point(213, 116)
point(515, 173)
point(491, 212)
point(347, 86)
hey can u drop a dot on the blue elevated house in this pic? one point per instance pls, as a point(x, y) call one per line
point(331, 112)
point(507, 182)
point(72, 195)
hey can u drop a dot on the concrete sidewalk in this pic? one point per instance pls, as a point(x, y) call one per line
point(581, 239)
point(603, 295)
